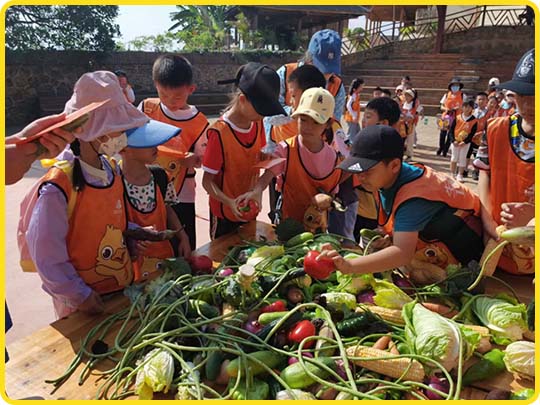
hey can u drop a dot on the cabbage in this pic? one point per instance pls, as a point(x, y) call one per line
point(388, 295)
point(352, 283)
point(339, 301)
point(506, 320)
point(265, 252)
point(433, 336)
point(155, 375)
point(519, 358)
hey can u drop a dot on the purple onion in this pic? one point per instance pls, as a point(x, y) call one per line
point(403, 283)
point(253, 326)
point(437, 383)
point(365, 297)
point(293, 360)
point(340, 369)
point(226, 272)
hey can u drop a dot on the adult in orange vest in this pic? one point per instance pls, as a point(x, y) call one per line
point(434, 221)
point(83, 255)
point(506, 183)
point(324, 51)
point(450, 107)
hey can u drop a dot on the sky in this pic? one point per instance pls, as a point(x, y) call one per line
point(136, 21)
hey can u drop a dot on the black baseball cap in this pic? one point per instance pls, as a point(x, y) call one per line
point(373, 144)
point(260, 84)
point(522, 81)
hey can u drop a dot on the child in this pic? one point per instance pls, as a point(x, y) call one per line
point(492, 86)
point(352, 114)
point(379, 111)
point(481, 115)
point(507, 106)
point(507, 172)
point(75, 235)
point(398, 94)
point(409, 110)
point(280, 128)
point(235, 141)
point(126, 87)
point(450, 105)
point(310, 162)
point(148, 204)
point(173, 78)
point(493, 107)
point(433, 220)
point(461, 133)
point(378, 92)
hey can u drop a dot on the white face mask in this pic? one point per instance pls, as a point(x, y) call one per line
point(113, 145)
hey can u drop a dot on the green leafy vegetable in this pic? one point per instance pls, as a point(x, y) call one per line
point(388, 295)
point(155, 375)
point(519, 358)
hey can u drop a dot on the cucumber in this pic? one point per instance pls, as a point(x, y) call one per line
point(213, 364)
point(299, 239)
point(72, 126)
point(295, 375)
point(269, 358)
point(198, 308)
point(267, 317)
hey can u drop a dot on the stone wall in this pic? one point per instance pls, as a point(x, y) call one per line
point(30, 75)
point(478, 43)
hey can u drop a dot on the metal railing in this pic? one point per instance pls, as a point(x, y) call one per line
point(423, 28)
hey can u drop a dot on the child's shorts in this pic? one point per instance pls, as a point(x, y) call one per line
point(459, 154)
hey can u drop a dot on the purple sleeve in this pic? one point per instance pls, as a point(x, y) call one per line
point(46, 238)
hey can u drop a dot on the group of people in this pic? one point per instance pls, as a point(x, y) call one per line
point(281, 130)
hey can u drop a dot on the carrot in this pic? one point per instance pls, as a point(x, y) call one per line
point(393, 348)
point(382, 342)
point(440, 309)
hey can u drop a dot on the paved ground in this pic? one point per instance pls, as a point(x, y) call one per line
point(31, 307)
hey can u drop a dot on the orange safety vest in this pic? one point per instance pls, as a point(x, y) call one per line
point(463, 128)
point(299, 186)
point(501, 112)
point(333, 84)
point(238, 175)
point(356, 108)
point(481, 127)
point(510, 176)
point(454, 101)
point(406, 126)
point(439, 187)
point(280, 133)
point(289, 68)
point(147, 266)
point(95, 242)
point(192, 130)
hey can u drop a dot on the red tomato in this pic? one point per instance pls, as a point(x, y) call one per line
point(318, 269)
point(201, 264)
point(249, 209)
point(277, 306)
point(300, 331)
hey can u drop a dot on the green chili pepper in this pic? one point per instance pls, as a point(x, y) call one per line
point(525, 393)
point(491, 365)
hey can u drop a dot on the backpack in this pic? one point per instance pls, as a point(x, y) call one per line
point(27, 208)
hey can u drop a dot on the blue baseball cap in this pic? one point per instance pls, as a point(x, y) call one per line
point(325, 51)
point(151, 134)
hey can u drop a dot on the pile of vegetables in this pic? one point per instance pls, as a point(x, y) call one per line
point(271, 322)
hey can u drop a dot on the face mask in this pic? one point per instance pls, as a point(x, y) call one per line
point(113, 145)
point(454, 88)
point(505, 105)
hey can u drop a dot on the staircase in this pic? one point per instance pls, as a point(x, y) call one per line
point(429, 73)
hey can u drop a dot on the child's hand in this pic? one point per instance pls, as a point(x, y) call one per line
point(191, 160)
point(184, 248)
point(92, 305)
point(341, 264)
point(232, 204)
point(514, 215)
point(250, 195)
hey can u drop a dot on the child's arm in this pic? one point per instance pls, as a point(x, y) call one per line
point(399, 254)
point(471, 134)
point(451, 131)
point(215, 192)
point(184, 248)
point(256, 193)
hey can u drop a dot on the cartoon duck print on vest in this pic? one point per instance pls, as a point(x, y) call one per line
point(522, 259)
point(171, 165)
point(113, 258)
point(149, 268)
point(429, 264)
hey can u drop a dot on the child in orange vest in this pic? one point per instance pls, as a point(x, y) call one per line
point(450, 107)
point(433, 220)
point(173, 79)
point(461, 133)
point(234, 147)
point(507, 180)
point(309, 162)
point(149, 195)
point(481, 115)
point(352, 114)
point(75, 233)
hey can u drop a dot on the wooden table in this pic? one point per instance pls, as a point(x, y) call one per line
point(46, 353)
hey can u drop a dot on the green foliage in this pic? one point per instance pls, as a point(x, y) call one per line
point(88, 28)
point(358, 38)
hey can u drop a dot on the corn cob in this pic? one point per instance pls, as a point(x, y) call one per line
point(394, 316)
point(402, 367)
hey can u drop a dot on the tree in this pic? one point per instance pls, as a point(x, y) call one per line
point(201, 26)
point(89, 28)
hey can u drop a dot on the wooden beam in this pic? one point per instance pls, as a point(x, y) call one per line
point(439, 42)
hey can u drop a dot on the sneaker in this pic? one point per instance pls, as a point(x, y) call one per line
point(465, 174)
point(439, 152)
point(459, 178)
